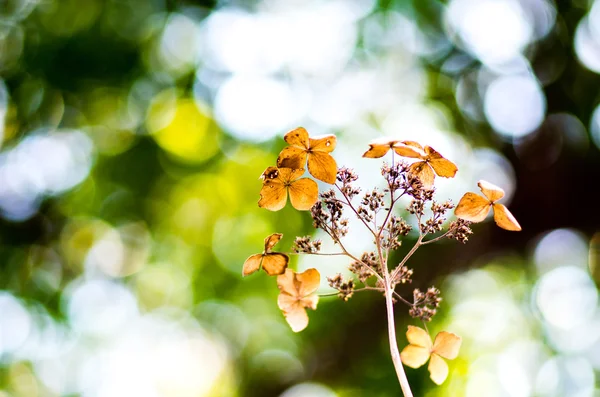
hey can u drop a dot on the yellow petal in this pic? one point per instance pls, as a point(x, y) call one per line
point(442, 166)
point(446, 345)
point(275, 263)
point(325, 144)
point(472, 207)
point(304, 193)
point(491, 191)
point(309, 281)
point(252, 264)
point(505, 219)
point(422, 170)
point(297, 137)
point(322, 166)
point(271, 240)
point(292, 157)
point(273, 195)
point(418, 337)
point(438, 369)
point(414, 356)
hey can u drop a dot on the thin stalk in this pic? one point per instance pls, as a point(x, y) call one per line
point(394, 343)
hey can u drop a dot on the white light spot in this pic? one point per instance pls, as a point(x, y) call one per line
point(258, 108)
point(595, 126)
point(561, 247)
point(15, 324)
point(515, 105)
point(493, 30)
point(100, 307)
point(587, 46)
point(566, 297)
point(308, 389)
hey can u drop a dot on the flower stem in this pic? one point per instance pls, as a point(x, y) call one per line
point(394, 344)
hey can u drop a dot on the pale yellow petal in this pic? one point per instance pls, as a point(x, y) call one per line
point(472, 207)
point(505, 219)
point(418, 337)
point(414, 356)
point(310, 301)
point(491, 191)
point(438, 369)
point(446, 345)
point(297, 318)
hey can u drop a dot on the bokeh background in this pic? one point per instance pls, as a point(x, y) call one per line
point(133, 133)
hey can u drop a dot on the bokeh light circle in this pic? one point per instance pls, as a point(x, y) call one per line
point(515, 105)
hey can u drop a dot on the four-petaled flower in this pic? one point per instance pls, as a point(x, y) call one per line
point(420, 349)
point(474, 208)
point(277, 182)
point(273, 263)
point(297, 295)
point(315, 151)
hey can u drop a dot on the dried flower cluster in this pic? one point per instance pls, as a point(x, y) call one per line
point(376, 210)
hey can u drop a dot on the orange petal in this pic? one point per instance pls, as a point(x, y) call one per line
point(324, 144)
point(414, 356)
point(472, 207)
point(322, 166)
point(273, 195)
point(446, 344)
point(418, 337)
point(275, 263)
point(438, 369)
point(292, 157)
point(409, 149)
point(304, 193)
point(491, 191)
point(424, 172)
point(270, 173)
point(252, 264)
point(442, 166)
point(376, 151)
point(288, 175)
point(271, 240)
point(297, 137)
point(309, 282)
point(505, 219)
